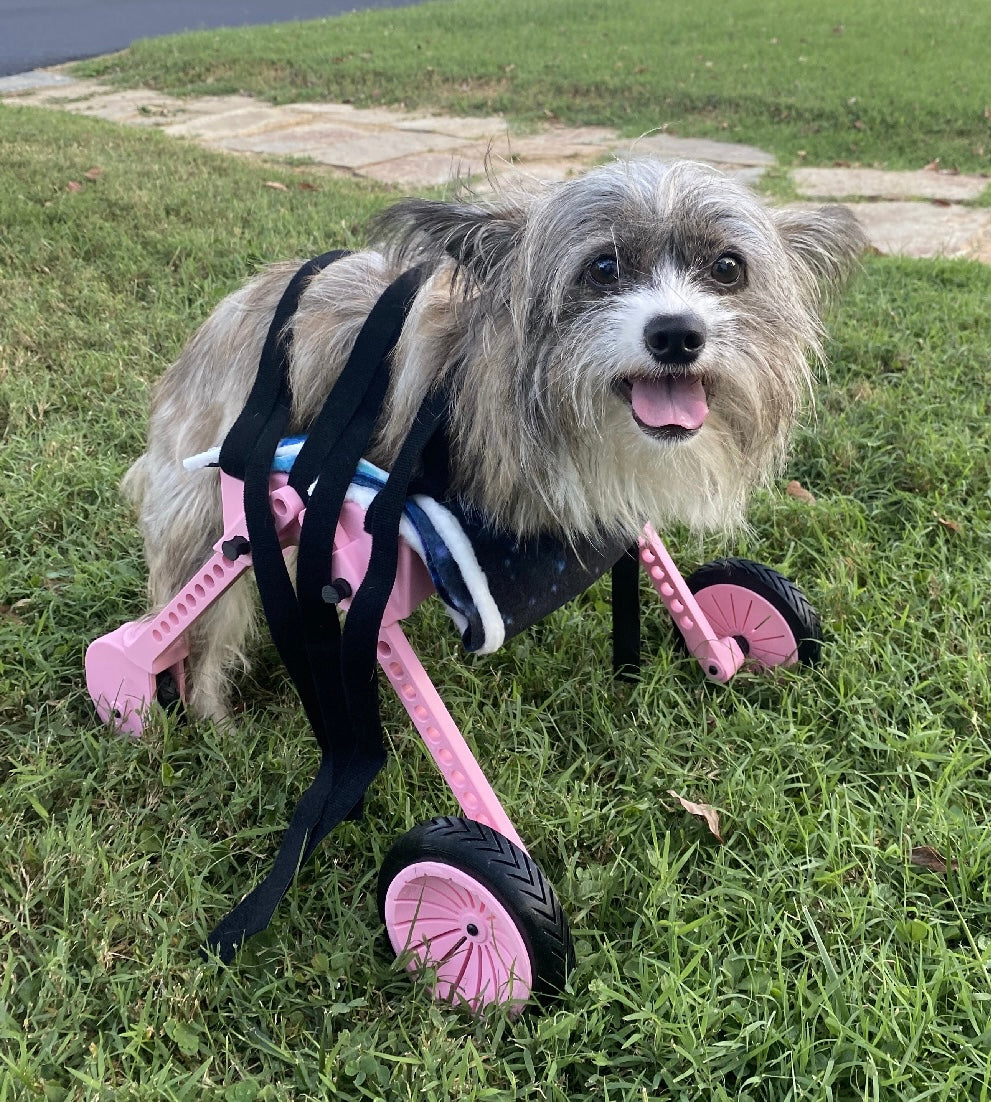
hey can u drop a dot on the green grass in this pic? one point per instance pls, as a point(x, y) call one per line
point(874, 81)
point(805, 958)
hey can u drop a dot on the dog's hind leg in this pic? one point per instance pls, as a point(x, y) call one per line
point(180, 515)
point(218, 644)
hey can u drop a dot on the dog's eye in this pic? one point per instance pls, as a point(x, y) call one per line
point(603, 271)
point(728, 271)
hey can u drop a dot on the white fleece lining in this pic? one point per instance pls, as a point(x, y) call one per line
point(451, 532)
point(453, 535)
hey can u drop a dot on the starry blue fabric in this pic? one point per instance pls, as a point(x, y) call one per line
point(527, 579)
point(493, 584)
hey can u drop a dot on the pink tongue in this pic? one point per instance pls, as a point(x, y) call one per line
point(659, 403)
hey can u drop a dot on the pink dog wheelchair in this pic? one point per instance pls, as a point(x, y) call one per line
point(461, 898)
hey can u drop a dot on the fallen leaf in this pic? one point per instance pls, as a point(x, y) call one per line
point(927, 857)
point(275, 185)
point(74, 185)
point(703, 811)
point(953, 525)
point(305, 185)
point(941, 202)
point(94, 173)
point(933, 166)
point(987, 113)
point(796, 490)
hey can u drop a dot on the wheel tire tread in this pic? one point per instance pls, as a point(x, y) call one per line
point(790, 600)
point(520, 885)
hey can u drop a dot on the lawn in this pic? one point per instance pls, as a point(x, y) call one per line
point(872, 81)
point(808, 956)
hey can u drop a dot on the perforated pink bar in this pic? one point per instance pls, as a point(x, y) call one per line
point(440, 734)
point(122, 666)
point(719, 656)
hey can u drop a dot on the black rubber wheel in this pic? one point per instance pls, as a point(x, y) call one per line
point(467, 904)
point(767, 614)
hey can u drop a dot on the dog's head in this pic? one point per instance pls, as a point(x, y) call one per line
point(636, 342)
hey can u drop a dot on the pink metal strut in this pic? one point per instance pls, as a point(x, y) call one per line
point(719, 657)
point(122, 667)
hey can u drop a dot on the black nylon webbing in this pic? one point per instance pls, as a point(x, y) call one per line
point(306, 631)
point(372, 347)
point(270, 391)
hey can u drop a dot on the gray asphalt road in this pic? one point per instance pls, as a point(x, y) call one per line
point(34, 33)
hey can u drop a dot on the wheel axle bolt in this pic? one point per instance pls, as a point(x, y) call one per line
point(472, 929)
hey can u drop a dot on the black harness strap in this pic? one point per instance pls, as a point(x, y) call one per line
point(305, 629)
point(270, 392)
point(371, 351)
point(357, 655)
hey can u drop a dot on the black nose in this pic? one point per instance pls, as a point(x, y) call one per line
point(674, 338)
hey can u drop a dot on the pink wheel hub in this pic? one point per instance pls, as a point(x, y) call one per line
point(738, 611)
point(448, 923)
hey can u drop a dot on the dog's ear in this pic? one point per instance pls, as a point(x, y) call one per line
point(825, 244)
point(479, 238)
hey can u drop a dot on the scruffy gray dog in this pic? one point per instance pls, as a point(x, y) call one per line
point(632, 345)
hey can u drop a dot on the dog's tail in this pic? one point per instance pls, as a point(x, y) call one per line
point(135, 481)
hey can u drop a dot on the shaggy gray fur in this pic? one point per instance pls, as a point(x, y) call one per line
point(540, 358)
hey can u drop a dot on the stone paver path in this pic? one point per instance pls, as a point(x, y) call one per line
point(921, 213)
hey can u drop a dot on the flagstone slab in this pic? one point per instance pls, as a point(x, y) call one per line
point(527, 152)
point(374, 117)
point(925, 229)
point(195, 106)
point(237, 124)
point(873, 183)
point(471, 129)
point(671, 147)
point(136, 107)
point(419, 170)
point(340, 146)
point(553, 136)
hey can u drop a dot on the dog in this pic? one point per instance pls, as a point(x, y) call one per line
point(632, 345)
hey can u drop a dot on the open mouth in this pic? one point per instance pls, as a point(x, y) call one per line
point(666, 406)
